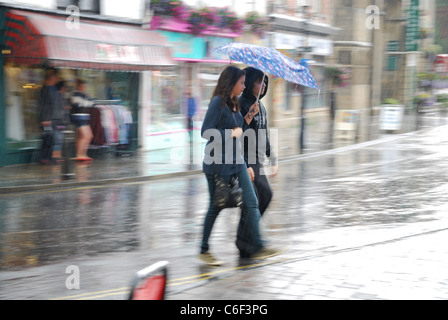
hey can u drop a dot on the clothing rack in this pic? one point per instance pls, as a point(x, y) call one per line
point(108, 132)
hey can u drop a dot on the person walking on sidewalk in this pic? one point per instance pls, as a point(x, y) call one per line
point(255, 119)
point(224, 114)
point(51, 114)
point(84, 135)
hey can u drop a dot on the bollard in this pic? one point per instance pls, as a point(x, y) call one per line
point(67, 151)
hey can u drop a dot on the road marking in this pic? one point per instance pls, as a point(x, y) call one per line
point(213, 274)
point(171, 283)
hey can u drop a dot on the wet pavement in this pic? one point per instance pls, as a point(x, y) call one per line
point(364, 221)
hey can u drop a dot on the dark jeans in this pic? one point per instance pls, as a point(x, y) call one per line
point(264, 195)
point(249, 221)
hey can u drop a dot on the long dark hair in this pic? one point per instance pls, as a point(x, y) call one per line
point(226, 82)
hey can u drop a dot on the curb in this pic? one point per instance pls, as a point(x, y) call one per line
point(68, 184)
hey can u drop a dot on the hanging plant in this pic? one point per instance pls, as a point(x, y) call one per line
point(228, 19)
point(198, 19)
point(256, 24)
point(165, 7)
point(337, 76)
point(202, 19)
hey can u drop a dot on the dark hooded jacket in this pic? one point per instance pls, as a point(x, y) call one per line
point(246, 100)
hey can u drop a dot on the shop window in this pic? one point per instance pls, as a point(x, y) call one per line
point(345, 57)
point(85, 6)
point(208, 79)
point(22, 86)
point(166, 95)
point(392, 63)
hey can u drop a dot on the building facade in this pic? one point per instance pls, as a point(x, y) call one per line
point(110, 51)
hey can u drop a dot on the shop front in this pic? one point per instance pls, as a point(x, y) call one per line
point(197, 72)
point(110, 57)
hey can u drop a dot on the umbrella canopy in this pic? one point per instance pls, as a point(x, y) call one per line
point(270, 61)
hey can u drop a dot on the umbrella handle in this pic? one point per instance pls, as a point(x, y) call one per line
point(261, 87)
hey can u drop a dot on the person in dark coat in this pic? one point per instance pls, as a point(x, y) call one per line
point(51, 118)
point(257, 148)
point(259, 125)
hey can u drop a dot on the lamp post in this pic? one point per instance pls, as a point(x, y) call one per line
point(67, 150)
point(306, 52)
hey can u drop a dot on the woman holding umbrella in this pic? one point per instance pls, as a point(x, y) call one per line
point(224, 114)
point(256, 88)
point(255, 119)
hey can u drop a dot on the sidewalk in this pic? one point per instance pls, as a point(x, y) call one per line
point(164, 163)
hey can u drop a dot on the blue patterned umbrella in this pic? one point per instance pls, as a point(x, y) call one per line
point(270, 61)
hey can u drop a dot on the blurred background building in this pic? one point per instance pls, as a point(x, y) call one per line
point(148, 53)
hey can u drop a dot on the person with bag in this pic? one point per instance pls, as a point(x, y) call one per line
point(222, 127)
point(256, 120)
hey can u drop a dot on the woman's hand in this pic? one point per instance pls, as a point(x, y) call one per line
point(237, 132)
point(274, 170)
point(251, 174)
point(253, 110)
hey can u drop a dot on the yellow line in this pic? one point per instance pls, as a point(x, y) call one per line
point(105, 295)
point(88, 294)
point(170, 283)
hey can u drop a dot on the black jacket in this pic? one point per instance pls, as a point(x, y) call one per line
point(220, 117)
point(246, 100)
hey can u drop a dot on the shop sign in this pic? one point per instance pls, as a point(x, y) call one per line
point(184, 45)
point(412, 28)
point(187, 46)
point(321, 47)
point(441, 63)
point(288, 41)
point(117, 53)
point(391, 117)
point(346, 120)
point(317, 46)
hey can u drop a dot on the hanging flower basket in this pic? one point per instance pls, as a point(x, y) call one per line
point(256, 24)
point(337, 76)
point(199, 20)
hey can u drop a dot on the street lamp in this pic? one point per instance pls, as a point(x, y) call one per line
point(306, 51)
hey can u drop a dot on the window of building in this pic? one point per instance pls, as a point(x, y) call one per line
point(345, 57)
point(85, 6)
point(392, 63)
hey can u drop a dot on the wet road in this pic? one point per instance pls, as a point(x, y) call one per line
point(326, 201)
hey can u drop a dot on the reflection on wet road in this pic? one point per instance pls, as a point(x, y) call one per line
point(393, 183)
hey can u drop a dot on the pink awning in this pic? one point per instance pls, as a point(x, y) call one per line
point(34, 37)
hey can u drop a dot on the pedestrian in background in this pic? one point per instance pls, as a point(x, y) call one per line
point(84, 134)
point(224, 114)
point(191, 110)
point(51, 116)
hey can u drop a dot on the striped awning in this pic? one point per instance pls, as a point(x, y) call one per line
point(35, 39)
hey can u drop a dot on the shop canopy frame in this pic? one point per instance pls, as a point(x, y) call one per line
point(34, 39)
